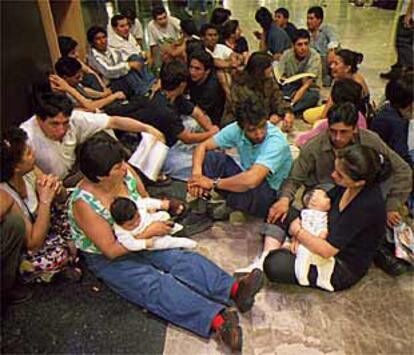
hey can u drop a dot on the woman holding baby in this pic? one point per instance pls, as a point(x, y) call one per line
point(356, 222)
point(182, 287)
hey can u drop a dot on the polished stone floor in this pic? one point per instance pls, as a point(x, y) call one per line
point(377, 315)
point(374, 317)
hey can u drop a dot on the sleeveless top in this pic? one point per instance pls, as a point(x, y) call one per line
point(29, 204)
point(82, 241)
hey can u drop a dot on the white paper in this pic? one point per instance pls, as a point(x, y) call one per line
point(149, 157)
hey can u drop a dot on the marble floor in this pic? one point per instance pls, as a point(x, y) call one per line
point(374, 317)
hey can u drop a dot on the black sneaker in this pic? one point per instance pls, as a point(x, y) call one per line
point(194, 224)
point(231, 334)
point(385, 260)
point(392, 74)
point(249, 286)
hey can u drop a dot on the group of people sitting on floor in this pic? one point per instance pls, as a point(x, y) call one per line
point(223, 114)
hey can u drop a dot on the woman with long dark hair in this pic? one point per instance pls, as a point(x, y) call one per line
point(357, 221)
point(25, 190)
point(257, 78)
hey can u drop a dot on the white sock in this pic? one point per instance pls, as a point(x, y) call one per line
point(169, 242)
point(256, 264)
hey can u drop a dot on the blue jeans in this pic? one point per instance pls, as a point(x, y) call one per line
point(140, 81)
point(181, 287)
point(256, 201)
point(308, 100)
point(179, 161)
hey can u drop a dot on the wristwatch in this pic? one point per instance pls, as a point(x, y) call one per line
point(215, 182)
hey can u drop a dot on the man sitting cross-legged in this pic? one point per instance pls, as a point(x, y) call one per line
point(300, 59)
point(265, 161)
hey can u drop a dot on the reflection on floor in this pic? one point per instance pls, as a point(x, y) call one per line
point(377, 315)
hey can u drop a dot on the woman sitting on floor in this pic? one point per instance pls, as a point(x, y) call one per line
point(357, 221)
point(344, 66)
point(25, 190)
point(343, 90)
point(180, 286)
point(257, 77)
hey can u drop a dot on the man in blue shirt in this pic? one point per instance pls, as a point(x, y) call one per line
point(323, 39)
point(264, 156)
point(273, 39)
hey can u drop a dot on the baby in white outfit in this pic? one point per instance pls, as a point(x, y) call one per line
point(132, 219)
point(315, 220)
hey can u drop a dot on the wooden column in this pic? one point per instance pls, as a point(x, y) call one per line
point(69, 21)
point(49, 28)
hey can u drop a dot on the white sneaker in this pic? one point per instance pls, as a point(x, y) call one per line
point(169, 242)
point(256, 264)
point(176, 228)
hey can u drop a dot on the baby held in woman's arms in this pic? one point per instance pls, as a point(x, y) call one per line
point(132, 221)
point(314, 219)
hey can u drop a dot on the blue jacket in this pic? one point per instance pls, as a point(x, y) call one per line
point(393, 129)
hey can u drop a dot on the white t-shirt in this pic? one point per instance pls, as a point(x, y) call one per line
point(157, 36)
point(220, 52)
point(136, 29)
point(126, 47)
point(55, 157)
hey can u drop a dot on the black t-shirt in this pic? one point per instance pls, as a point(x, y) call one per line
point(357, 230)
point(241, 45)
point(209, 96)
point(164, 115)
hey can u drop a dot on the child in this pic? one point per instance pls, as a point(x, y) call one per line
point(132, 220)
point(315, 220)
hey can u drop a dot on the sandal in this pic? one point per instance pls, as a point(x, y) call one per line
point(162, 180)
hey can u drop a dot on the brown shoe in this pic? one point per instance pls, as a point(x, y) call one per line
point(231, 315)
point(231, 334)
point(249, 285)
